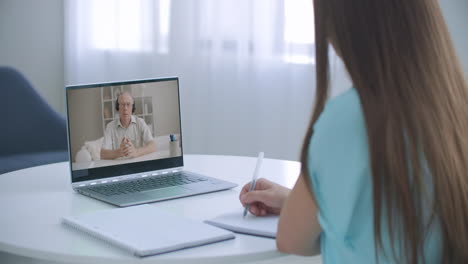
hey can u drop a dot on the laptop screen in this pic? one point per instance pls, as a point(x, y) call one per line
point(123, 128)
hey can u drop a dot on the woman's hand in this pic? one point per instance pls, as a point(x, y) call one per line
point(267, 198)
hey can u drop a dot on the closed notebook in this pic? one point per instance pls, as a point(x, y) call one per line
point(145, 230)
point(265, 226)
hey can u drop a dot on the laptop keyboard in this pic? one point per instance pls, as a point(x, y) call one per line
point(145, 184)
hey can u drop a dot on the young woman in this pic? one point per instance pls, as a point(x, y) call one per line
point(384, 174)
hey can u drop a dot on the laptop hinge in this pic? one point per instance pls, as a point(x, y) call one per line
point(126, 177)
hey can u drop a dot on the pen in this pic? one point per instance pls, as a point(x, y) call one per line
point(254, 178)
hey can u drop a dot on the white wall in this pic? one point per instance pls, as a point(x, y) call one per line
point(31, 40)
point(85, 122)
point(456, 16)
point(165, 107)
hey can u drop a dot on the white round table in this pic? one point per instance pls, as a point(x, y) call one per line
point(33, 200)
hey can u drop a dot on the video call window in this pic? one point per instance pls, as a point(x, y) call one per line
point(123, 123)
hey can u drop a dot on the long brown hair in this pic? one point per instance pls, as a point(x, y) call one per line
point(415, 103)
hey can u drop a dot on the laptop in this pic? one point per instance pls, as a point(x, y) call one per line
point(125, 143)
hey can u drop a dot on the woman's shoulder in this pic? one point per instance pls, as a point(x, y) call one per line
point(341, 112)
point(347, 98)
point(340, 132)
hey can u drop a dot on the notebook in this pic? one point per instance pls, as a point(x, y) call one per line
point(265, 226)
point(125, 143)
point(145, 230)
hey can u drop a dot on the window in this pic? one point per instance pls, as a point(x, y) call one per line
point(164, 20)
point(233, 28)
point(127, 25)
point(299, 35)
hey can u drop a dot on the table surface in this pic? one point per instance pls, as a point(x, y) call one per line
point(33, 200)
point(101, 163)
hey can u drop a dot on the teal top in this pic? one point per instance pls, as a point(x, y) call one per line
point(341, 181)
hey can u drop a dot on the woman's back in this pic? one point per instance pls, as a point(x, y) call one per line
point(342, 184)
point(414, 104)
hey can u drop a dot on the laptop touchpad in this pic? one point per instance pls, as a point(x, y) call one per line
point(166, 192)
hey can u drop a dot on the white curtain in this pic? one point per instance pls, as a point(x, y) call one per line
point(246, 68)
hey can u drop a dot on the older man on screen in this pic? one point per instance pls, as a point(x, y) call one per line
point(128, 136)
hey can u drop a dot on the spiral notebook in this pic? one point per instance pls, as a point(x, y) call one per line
point(145, 230)
point(265, 226)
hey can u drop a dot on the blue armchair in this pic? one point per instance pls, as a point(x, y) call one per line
point(32, 133)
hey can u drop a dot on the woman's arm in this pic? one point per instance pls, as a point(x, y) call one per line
point(298, 228)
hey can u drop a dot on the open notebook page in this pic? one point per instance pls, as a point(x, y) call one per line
point(234, 221)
